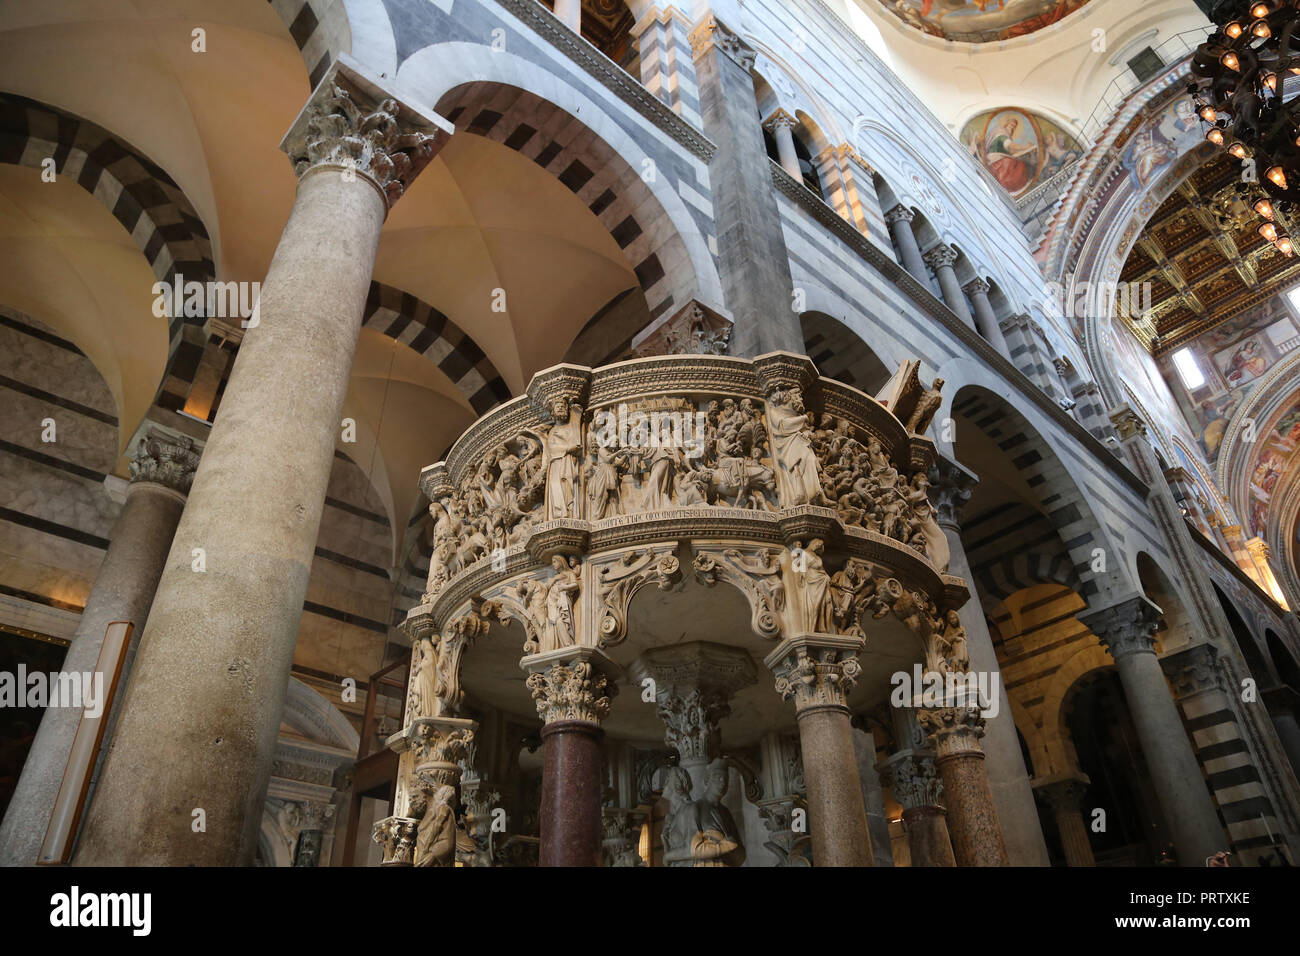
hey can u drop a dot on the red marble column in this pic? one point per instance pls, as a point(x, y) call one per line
point(571, 794)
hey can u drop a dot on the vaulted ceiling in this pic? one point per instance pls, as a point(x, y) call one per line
point(1204, 258)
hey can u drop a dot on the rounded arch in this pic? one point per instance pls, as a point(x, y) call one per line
point(1284, 662)
point(1027, 462)
point(842, 354)
point(1177, 629)
point(1070, 677)
point(1257, 661)
point(584, 147)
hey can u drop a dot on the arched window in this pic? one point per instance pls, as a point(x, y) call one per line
point(807, 170)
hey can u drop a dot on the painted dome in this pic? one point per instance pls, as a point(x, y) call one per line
point(980, 21)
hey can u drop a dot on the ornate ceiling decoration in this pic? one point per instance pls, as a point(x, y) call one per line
point(1203, 258)
point(981, 21)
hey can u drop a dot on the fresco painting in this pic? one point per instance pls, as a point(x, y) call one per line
point(981, 21)
point(1021, 149)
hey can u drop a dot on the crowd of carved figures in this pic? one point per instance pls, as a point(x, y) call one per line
point(741, 455)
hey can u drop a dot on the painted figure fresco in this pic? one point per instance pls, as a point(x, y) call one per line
point(1021, 149)
point(980, 21)
point(1155, 146)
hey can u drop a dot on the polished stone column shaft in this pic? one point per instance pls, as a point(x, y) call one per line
point(972, 823)
point(781, 125)
point(123, 591)
point(1126, 629)
point(986, 322)
point(1013, 797)
point(1065, 796)
point(572, 692)
point(940, 258)
point(203, 707)
point(900, 227)
point(915, 783)
point(817, 672)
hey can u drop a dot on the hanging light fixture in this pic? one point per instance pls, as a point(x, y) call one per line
point(1215, 136)
point(1264, 208)
point(1283, 245)
point(1268, 231)
point(1276, 176)
point(1237, 150)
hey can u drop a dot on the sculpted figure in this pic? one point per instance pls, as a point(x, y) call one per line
point(435, 841)
point(936, 547)
point(956, 660)
point(662, 462)
point(926, 406)
point(561, 594)
point(602, 479)
point(563, 443)
point(702, 832)
point(812, 583)
point(850, 589)
point(792, 447)
point(424, 679)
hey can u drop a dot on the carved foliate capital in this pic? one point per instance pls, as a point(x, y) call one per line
point(779, 119)
point(954, 731)
point(816, 672)
point(711, 33)
point(899, 213)
point(437, 745)
point(914, 779)
point(571, 684)
point(352, 123)
point(951, 487)
point(976, 286)
point(694, 684)
point(308, 814)
point(1064, 794)
point(937, 257)
point(165, 459)
point(397, 836)
point(1193, 669)
point(1125, 628)
point(1127, 422)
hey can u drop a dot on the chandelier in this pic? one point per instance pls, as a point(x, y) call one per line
point(1246, 89)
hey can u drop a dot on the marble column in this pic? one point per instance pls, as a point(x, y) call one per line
point(940, 258)
point(754, 263)
point(781, 125)
point(1065, 795)
point(1127, 629)
point(202, 711)
point(914, 780)
point(310, 818)
point(572, 688)
point(900, 227)
point(1013, 797)
point(986, 323)
point(162, 469)
point(570, 13)
point(817, 672)
point(972, 823)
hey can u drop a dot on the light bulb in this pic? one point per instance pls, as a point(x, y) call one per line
point(1261, 30)
point(1231, 62)
point(1236, 149)
point(1215, 136)
point(1259, 10)
point(1233, 30)
point(1276, 176)
point(1268, 231)
point(1209, 114)
point(1264, 208)
point(1283, 245)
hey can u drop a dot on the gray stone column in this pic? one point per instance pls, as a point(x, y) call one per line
point(817, 671)
point(915, 782)
point(754, 264)
point(986, 323)
point(781, 125)
point(900, 227)
point(1013, 797)
point(202, 711)
point(162, 469)
point(940, 258)
point(1064, 796)
point(1126, 630)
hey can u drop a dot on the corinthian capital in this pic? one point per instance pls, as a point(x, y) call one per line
point(166, 459)
point(711, 33)
point(1125, 628)
point(976, 286)
point(779, 119)
point(936, 257)
point(694, 684)
point(1127, 422)
point(570, 684)
point(914, 779)
point(816, 672)
point(900, 213)
point(352, 123)
point(954, 730)
point(951, 486)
